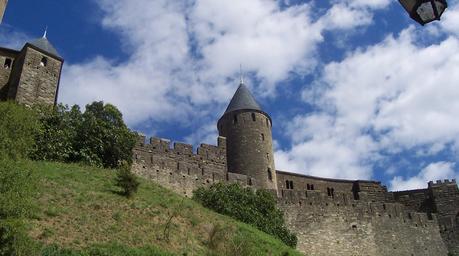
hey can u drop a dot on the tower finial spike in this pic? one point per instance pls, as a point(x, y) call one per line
point(46, 32)
point(241, 74)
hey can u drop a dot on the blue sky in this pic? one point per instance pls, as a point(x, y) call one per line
point(355, 88)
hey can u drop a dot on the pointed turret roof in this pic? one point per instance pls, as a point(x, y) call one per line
point(44, 45)
point(242, 99)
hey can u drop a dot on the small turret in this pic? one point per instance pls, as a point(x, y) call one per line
point(247, 129)
point(36, 75)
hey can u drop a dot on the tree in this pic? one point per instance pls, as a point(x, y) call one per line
point(104, 138)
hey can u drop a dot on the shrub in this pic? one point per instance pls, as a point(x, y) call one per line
point(257, 208)
point(18, 127)
point(127, 181)
point(14, 239)
point(17, 188)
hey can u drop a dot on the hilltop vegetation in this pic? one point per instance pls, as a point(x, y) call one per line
point(57, 209)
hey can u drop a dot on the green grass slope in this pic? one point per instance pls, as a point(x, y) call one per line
point(80, 213)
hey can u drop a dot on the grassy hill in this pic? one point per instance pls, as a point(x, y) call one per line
point(81, 213)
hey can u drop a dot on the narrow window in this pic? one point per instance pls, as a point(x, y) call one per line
point(328, 191)
point(333, 192)
point(312, 187)
point(267, 122)
point(8, 63)
point(44, 62)
point(270, 175)
point(291, 184)
point(287, 184)
point(235, 119)
point(263, 137)
point(308, 187)
point(267, 156)
point(178, 166)
point(253, 117)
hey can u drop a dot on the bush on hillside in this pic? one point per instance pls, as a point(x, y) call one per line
point(97, 137)
point(257, 208)
point(18, 127)
point(127, 181)
point(17, 190)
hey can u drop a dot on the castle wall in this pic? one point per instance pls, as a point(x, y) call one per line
point(178, 168)
point(336, 226)
point(36, 83)
point(7, 58)
point(325, 224)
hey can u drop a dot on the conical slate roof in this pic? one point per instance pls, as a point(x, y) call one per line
point(43, 44)
point(242, 99)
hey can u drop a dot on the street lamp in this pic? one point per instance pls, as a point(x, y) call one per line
point(424, 11)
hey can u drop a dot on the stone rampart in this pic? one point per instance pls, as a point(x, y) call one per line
point(344, 226)
point(177, 167)
point(330, 216)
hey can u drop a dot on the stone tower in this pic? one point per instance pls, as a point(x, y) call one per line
point(247, 129)
point(2, 8)
point(36, 74)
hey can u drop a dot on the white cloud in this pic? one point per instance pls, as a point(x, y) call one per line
point(184, 56)
point(391, 97)
point(432, 172)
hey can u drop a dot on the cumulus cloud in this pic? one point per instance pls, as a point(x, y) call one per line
point(432, 172)
point(392, 97)
point(184, 56)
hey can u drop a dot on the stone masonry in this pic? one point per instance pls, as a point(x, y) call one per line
point(330, 216)
point(30, 76)
point(3, 4)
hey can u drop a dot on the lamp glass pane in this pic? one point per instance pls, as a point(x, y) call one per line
point(440, 7)
point(426, 12)
point(408, 4)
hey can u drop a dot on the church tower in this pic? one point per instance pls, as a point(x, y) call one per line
point(36, 74)
point(247, 129)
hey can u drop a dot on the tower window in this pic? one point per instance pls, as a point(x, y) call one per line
point(8, 63)
point(270, 175)
point(253, 117)
point(44, 62)
point(267, 156)
point(235, 119)
point(263, 137)
point(289, 184)
point(267, 122)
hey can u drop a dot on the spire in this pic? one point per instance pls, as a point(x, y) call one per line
point(242, 99)
point(46, 32)
point(241, 74)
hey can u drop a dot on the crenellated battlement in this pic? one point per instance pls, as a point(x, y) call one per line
point(442, 182)
point(163, 147)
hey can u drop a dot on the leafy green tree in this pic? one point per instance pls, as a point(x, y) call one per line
point(104, 139)
point(58, 139)
point(257, 208)
point(97, 137)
